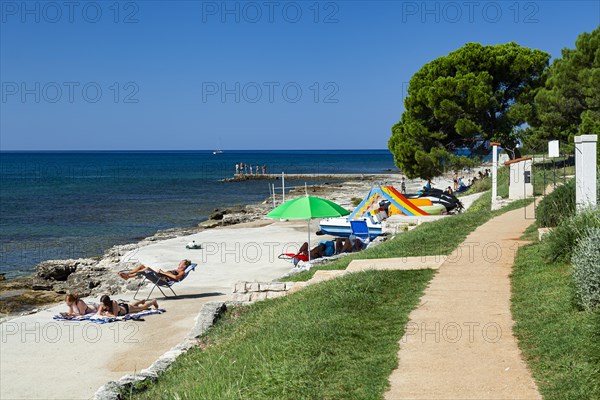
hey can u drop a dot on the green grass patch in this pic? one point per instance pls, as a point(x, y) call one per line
point(440, 237)
point(485, 184)
point(560, 342)
point(335, 340)
point(531, 233)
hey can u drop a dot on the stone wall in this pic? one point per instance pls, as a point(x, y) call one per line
point(248, 292)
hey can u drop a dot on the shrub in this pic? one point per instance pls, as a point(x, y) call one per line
point(586, 269)
point(564, 237)
point(481, 185)
point(556, 206)
point(356, 201)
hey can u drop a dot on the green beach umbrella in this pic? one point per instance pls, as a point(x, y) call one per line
point(308, 207)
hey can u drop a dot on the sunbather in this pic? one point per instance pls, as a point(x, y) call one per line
point(352, 244)
point(174, 275)
point(110, 308)
point(325, 248)
point(77, 306)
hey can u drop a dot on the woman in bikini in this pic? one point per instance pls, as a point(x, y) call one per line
point(110, 308)
point(77, 307)
point(174, 275)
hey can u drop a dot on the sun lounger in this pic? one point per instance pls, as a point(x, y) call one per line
point(161, 281)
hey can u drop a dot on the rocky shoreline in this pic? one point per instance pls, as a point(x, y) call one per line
point(96, 276)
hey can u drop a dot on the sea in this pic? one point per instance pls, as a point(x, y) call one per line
point(72, 204)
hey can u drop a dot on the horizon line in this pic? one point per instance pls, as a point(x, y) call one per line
point(175, 150)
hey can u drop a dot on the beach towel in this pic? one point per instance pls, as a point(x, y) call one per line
point(65, 317)
point(100, 319)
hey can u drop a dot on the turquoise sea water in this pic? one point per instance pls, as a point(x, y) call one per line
point(57, 205)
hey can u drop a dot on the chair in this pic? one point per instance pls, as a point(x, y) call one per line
point(159, 281)
point(361, 230)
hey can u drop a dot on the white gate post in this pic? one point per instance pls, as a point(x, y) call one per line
point(585, 171)
point(495, 204)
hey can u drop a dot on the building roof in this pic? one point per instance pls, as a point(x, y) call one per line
point(516, 160)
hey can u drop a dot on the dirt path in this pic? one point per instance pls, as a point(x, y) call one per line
point(459, 342)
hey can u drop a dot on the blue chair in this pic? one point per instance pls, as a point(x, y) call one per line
point(159, 280)
point(361, 230)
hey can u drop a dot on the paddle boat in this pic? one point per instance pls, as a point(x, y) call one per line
point(380, 203)
point(341, 227)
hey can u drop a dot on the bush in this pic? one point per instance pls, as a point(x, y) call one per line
point(564, 237)
point(557, 206)
point(356, 201)
point(586, 269)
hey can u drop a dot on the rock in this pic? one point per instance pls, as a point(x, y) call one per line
point(217, 215)
point(59, 270)
point(41, 284)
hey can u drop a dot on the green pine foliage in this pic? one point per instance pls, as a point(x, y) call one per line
point(471, 95)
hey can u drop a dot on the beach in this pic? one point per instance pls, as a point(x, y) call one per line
point(71, 360)
point(37, 348)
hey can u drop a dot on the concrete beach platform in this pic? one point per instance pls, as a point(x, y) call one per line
point(310, 177)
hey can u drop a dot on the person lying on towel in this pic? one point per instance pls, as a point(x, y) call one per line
point(110, 308)
point(77, 307)
point(174, 275)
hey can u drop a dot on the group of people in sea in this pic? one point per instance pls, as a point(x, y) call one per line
point(249, 169)
point(111, 308)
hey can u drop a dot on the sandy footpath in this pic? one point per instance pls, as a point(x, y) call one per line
point(459, 342)
point(41, 358)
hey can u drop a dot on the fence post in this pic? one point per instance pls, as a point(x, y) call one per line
point(585, 171)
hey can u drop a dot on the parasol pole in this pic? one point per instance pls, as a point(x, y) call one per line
point(309, 240)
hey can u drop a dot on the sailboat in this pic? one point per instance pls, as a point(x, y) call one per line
point(219, 151)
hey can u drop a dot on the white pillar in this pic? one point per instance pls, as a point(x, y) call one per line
point(585, 171)
point(495, 204)
point(578, 169)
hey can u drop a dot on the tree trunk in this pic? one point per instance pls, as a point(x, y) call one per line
point(513, 152)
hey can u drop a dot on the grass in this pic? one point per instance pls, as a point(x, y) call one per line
point(335, 340)
point(485, 184)
point(560, 342)
point(440, 237)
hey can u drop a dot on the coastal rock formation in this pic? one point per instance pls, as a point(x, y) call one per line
point(59, 270)
point(86, 277)
point(234, 215)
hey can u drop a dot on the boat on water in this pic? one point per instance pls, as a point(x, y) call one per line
point(219, 149)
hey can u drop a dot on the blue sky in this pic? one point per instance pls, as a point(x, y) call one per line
point(154, 75)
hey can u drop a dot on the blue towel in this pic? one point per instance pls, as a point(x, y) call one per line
point(99, 319)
